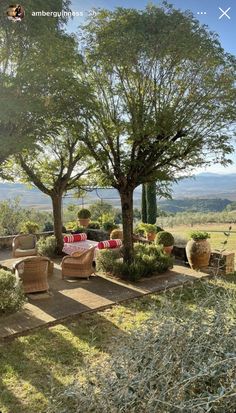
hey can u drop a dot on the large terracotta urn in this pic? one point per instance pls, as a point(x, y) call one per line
point(198, 253)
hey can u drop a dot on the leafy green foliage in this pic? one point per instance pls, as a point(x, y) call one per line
point(164, 238)
point(12, 215)
point(180, 358)
point(99, 208)
point(199, 235)
point(148, 228)
point(148, 260)
point(144, 204)
point(176, 119)
point(151, 197)
point(48, 226)
point(106, 258)
point(109, 225)
point(47, 246)
point(29, 227)
point(94, 225)
point(12, 296)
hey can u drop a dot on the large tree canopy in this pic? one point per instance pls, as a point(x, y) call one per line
point(163, 95)
point(27, 47)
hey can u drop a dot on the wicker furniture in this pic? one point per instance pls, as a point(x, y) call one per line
point(33, 271)
point(24, 245)
point(79, 264)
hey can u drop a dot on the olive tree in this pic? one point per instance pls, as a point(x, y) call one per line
point(162, 92)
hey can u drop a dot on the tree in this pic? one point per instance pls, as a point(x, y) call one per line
point(144, 204)
point(163, 99)
point(54, 167)
point(45, 79)
point(149, 203)
point(21, 111)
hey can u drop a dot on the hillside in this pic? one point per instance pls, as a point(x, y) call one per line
point(190, 193)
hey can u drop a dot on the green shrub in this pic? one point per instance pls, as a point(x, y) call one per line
point(29, 227)
point(132, 272)
point(199, 235)
point(84, 213)
point(139, 230)
point(12, 296)
point(153, 259)
point(148, 260)
point(47, 246)
point(105, 259)
point(164, 238)
point(72, 226)
point(109, 226)
point(94, 225)
point(48, 226)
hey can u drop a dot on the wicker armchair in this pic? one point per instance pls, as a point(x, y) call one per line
point(33, 271)
point(79, 264)
point(24, 245)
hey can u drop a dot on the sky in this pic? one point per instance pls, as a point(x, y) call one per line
point(214, 13)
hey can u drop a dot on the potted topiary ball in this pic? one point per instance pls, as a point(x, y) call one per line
point(84, 216)
point(198, 250)
point(166, 239)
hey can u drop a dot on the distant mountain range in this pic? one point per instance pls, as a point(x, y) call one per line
point(203, 186)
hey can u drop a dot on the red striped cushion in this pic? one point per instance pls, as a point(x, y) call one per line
point(75, 237)
point(111, 243)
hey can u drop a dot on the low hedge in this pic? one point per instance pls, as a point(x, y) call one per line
point(148, 260)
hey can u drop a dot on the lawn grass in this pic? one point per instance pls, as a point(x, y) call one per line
point(216, 237)
point(34, 367)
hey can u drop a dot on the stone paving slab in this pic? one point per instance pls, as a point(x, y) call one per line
point(69, 298)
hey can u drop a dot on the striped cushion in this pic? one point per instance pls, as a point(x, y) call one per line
point(111, 243)
point(75, 238)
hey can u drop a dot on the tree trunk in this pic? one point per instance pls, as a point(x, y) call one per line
point(144, 204)
point(126, 196)
point(57, 221)
point(151, 202)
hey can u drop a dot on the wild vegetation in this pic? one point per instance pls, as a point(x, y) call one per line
point(164, 352)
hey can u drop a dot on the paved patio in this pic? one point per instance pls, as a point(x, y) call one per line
point(68, 298)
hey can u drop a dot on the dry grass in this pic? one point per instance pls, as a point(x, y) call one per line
point(216, 237)
point(164, 352)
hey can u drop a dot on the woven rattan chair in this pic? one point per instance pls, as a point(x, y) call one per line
point(79, 264)
point(33, 271)
point(24, 245)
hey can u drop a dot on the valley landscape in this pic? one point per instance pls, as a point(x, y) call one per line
point(204, 192)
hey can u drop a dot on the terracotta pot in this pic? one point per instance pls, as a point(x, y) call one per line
point(83, 222)
point(168, 250)
point(151, 236)
point(198, 253)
